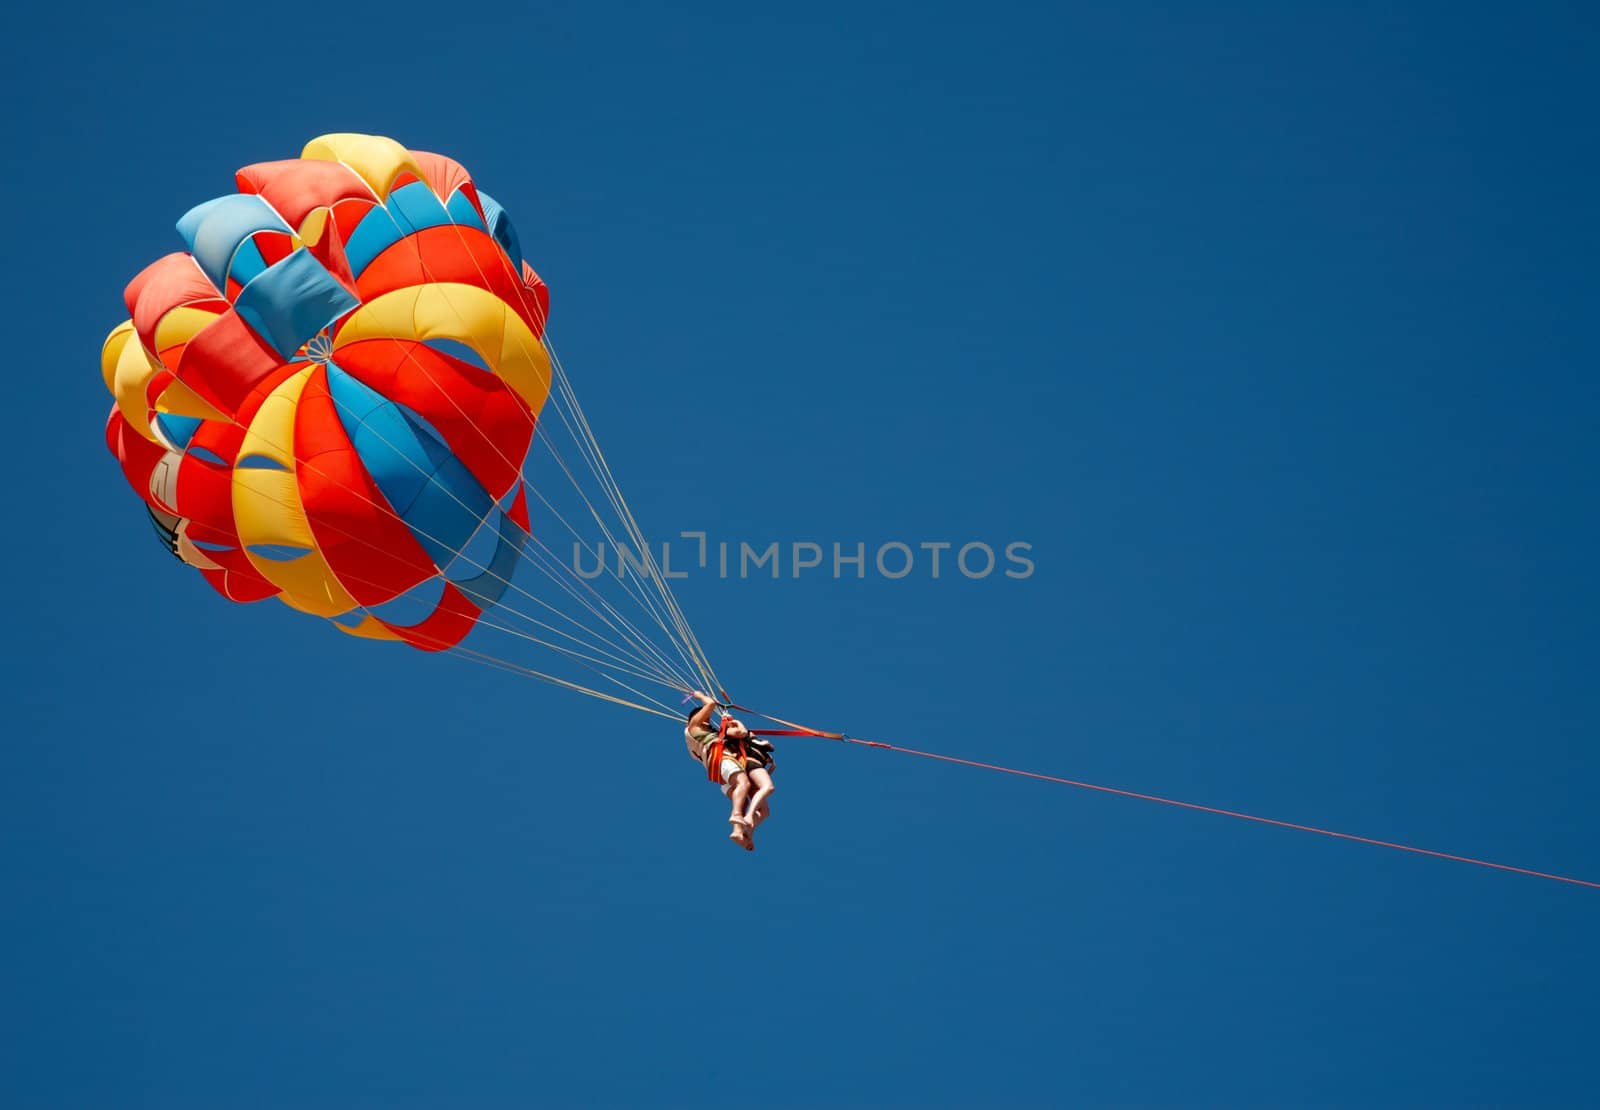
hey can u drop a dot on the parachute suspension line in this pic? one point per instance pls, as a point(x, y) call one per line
point(625, 513)
point(543, 553)
point(661, 709)
point(594, 513)
point(484, 622)
point(635, 594)
point(801, 730)
point(650, 606)
point(588, 443)
point(646, 561)
point(543, 560)
point(527, 672)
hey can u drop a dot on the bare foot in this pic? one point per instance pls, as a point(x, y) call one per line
point(741, 836)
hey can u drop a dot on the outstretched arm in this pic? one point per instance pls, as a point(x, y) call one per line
point(702, 716)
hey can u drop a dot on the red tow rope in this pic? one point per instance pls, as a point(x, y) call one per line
point(802, 730)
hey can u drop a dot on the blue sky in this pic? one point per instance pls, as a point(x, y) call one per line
point(1271, 331)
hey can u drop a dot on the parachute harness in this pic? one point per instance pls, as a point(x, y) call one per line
point(718, 746)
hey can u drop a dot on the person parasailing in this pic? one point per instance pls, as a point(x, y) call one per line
point(737, 760)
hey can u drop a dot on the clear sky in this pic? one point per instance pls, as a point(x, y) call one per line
point(1270, 327)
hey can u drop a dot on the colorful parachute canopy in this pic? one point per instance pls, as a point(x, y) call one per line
point(328, 397)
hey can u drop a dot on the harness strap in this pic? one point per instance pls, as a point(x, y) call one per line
point(799, 730)
point(720, 748)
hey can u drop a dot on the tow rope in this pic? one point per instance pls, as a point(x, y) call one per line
point(793, 729)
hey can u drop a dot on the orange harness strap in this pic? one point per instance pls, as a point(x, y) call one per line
point(719, 748)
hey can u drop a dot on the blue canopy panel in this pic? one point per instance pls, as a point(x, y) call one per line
point(410, 209)
point(293, 300)
point(412, 607)
point(501, 228)
point(462, 212)
point(177, 431)
point(483, 568)
point(258, 462)
point(279, 552)
point(247, 262)
point(214, 230)
point(207, 456)
point(430, 489)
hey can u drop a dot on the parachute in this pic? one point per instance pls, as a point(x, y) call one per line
point(330, 396)
point(349, 330)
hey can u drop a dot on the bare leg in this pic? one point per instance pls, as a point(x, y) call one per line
point(739, 795)
point(758, 809)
